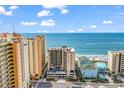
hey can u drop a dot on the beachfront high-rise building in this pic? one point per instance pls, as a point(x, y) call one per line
point(116, 62)
point(61, 62)
point(14, 70)
point(25, 63)
point(10, 62)
point(31, 56)
point(17, 63)
point(39, 56)
point(7, 78)
point(36, 50)
point(21, 59)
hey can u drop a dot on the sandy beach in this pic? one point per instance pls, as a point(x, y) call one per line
point(95, 57)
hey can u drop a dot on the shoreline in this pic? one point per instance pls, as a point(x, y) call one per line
point(91, 55)
point(98, 57)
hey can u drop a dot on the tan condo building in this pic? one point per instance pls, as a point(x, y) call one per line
point(21, 60)
point(14, 70)
point(61, 62)
point(10, 65)
point(39, 56)
point(116, 62)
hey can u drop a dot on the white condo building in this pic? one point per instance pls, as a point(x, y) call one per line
point(25, 63)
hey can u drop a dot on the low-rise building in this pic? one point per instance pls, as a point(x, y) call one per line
point(101, 67)
point(89, 71)
point(84, 60)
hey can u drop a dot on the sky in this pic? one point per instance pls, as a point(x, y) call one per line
point(62, 19)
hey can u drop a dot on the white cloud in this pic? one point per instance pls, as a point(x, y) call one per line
point(4, 12)
point(44, 31)
point(107, 22)
point(44, 13)
point(54, 6)
point(24, 23)
point(64, 11)
point(70, 31)
point(13, 7)
point(48, 23)
point(62, 8)
point(93, 26)
point(89, 26)
point(80, 30)
point(8, 13)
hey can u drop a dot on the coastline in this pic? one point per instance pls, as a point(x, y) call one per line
point(89, 45)
point(99, 57)
point(91, 55)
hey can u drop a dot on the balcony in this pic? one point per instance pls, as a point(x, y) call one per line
point(8, 51)
point(10, 78)
point(9, 55)
point(10, 71)
point(10, 67)
point(11, 83)
point(10, 63)
point(12, 86)
point(10, 75)
point(9, 59)
point(9, 47)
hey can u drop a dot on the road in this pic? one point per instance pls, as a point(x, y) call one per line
point(37, 83)
point(109, 78)
point(52, 84)
point(121, 78)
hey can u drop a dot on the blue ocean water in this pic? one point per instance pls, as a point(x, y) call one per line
point(85, 43)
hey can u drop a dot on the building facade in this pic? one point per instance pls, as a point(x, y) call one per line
point(116, 62)
point(39, 56)
point(31, 56)
point(11, 67)
point(25, 63)
point(14, 70)
point(7, 78)
point(61, 62)
point(21, 59)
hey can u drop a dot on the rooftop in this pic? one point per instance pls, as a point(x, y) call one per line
point(88, 67)
point(84, 60)
point(67, 49)
point(119, 51)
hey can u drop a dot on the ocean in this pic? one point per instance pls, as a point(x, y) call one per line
point(84, 43)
